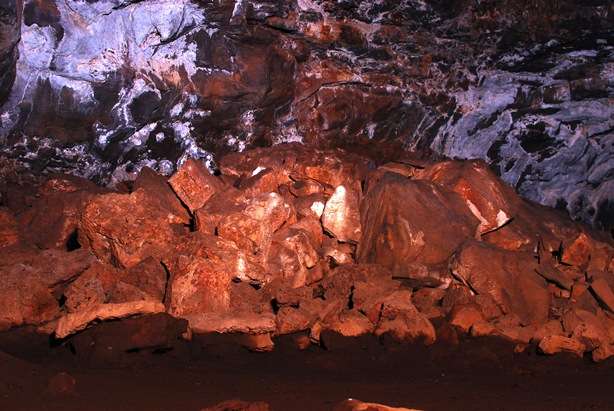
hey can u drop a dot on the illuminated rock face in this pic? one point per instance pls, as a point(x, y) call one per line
point(104, 88)
point(423, 242)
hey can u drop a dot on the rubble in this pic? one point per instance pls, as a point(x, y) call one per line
point(294, 247)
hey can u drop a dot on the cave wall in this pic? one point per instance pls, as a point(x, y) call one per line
point(10, 25)
point(105, 87)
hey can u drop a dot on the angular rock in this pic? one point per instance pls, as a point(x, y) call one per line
point(400, 319)
point(253, 227)
point(75, 322)
point(310, 206)
point(405, 222)
point(554, 344)
point(508, 277)
point(53, 219)
point(102, 283)
point(32, 281)
point(466, 316)
point(202, 270)
point(125, 229)
point(291, 254)
point(341, 216)
point(603, 292)
point(490, 200)
point(194, 184)
point(158, 187)
point(587, 253)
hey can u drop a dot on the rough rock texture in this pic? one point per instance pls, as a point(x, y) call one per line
point(106, 87)
point(261, 258)
point(10, 29)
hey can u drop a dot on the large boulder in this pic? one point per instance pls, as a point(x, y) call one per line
point(125, 229)
point(490, 200)
point(206, 275)
point(405, 222)
point(509, 278)
point(32, 283)
point(53, 218)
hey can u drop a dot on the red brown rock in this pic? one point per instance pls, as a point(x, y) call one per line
point(253, 227)
point(508, 277)
point(490, 200)
point(202, 270)
point(356, 405)
point(53, 219)
point(160, 191)
point(603, 292)
point(405, 222)
point(400, 319)
point(125, 229)
point(32, 281)
point(341, 215)
point(194, 184)
point(554, 344)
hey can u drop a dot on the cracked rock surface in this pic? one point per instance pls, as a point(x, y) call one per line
point(104, 88)
point(267, 261)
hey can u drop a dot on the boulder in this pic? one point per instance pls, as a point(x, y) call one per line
point(125, 229)
point(103, 283)
point(509, 278)
point(160, 191)
point(203, 269)
point(292, 254)
point(405, 222)
point(603, 292)
point(75, 322)
point(400, 319)
point(194, 184)
point(554, 344)
point(341, 215)
point(253, 227)
point(53, 219)
point(32, 281)
point(490, 200)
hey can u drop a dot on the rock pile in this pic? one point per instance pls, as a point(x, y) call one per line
point(296, 240)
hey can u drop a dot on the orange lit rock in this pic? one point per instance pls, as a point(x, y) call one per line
point(400, 319)
point(32, 281)
point(253, 227)
point(490, 200)
point(604, 292)
point(554, 344)
point(341, 216)
point(508, 277)
point(194, 185)
point(125, 229)
point(406, 221)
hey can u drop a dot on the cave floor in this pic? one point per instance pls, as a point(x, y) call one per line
point(477, 374)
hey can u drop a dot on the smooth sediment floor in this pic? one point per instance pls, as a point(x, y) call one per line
point(476, 374)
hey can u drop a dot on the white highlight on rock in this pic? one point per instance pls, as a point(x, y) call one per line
point(257, 170)
point(318, 208)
